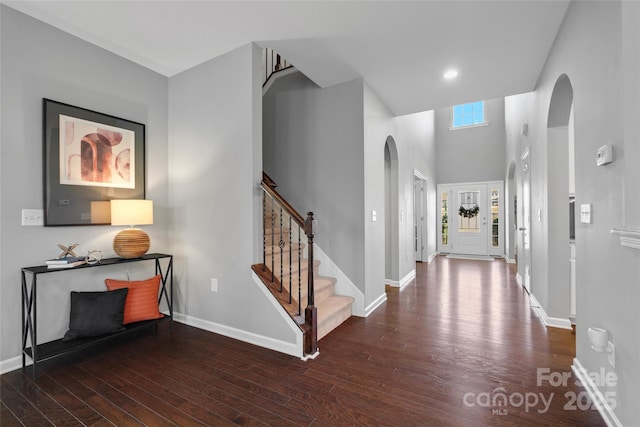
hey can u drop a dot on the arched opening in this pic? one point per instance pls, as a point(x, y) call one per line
point(560, 183)
point(391, 202)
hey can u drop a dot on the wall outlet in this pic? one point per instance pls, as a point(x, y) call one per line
point(214, 285)
point(32, 217)
point(611, 357)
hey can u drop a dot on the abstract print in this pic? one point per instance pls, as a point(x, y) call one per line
point(94, 154)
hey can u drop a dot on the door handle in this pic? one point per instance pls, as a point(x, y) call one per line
point(521, 229)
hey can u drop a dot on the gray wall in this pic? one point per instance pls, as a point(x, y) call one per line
point(413, 136)
point(601, 61)
point(214, 170)
point(313, 145)
point(417, 152)
point(471, 154)
point(39, 61)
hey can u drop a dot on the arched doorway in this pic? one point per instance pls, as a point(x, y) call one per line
point(560, 183)
point(391, 201)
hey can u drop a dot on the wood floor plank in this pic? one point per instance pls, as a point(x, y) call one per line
point(7, 419)
point(460, 330)
point(55, 412)
point(21, 407)
point(165, 377)
point(84, 413)
point(104, 407)
point(121, 400)
point(166, 411)
point(155, 392)
point(265, 409)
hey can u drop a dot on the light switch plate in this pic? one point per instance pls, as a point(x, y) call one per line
point(604, 156)
point(585, 213)
point(32, 217)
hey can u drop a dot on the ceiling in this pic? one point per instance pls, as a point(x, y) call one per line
point(400, 48)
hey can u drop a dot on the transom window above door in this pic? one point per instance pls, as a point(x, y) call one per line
point(466, 115)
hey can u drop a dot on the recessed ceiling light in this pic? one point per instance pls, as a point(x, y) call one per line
point(451, 74)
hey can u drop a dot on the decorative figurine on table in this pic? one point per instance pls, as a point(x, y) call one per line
point(67, 250)
point(94, 257)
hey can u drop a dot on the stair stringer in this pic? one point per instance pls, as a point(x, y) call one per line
point(294, 348)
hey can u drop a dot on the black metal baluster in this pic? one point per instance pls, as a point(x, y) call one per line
point(281, 244)
point(290, 263)
point(299, 272)
point(273, 237)
point(264, 230)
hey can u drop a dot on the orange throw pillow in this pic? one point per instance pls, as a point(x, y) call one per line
point(142, 299)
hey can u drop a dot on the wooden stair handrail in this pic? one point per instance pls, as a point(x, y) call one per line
point(269, 187)
point(267, 180)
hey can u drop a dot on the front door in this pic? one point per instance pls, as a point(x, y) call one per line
point(469, 214)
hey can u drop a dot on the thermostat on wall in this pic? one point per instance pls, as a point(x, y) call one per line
point(604, 155)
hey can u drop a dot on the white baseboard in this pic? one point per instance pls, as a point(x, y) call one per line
point(292, 349)
point(595, 395)
point(432, 257)
point(371, 307)
point(407, 278)
point(12, 364)
point(519, 280)
point(553, 322)
point(404, 281)
point(509, 260)
point(310, 356)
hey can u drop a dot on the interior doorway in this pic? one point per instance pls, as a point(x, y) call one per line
point(391, 214)
point(561, 191)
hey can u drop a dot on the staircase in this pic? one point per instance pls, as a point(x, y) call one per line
point(288, 257)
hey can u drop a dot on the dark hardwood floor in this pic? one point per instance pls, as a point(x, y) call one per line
point(441, 351)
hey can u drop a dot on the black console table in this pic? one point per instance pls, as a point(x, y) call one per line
point(41, 352)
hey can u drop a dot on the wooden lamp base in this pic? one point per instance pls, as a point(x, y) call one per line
point(131, 243)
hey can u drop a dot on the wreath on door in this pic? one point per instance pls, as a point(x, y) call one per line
point(468, 213)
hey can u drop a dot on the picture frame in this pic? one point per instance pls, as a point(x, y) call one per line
point(89, 159)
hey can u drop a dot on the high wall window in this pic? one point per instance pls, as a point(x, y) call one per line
point(471, 114)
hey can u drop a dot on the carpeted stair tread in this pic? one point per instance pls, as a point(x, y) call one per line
point(332, 312)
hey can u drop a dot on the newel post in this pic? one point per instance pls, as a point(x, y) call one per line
point(311, 312)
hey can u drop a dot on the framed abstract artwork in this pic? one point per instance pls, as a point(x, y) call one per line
point(90, 158)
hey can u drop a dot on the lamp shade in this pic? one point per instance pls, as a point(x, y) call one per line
point(131, 212)
point(131, 242)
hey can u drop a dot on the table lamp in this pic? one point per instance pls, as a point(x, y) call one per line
point(131, 242)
